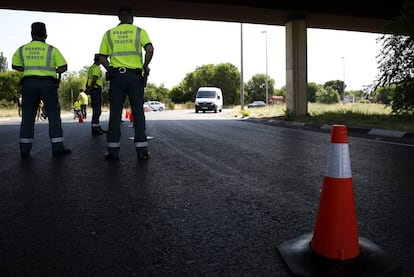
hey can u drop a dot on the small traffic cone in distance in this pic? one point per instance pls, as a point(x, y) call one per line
point(127, 113)
point(336, 234)
point(334, 248)
point(80, 118)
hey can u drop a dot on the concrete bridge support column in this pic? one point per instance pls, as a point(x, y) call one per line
point(296, 67)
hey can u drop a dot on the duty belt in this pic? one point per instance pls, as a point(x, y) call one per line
point(123, 69)
point(34, 77)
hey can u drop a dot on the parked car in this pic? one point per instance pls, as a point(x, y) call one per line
point(256, 104)
point(154, 105)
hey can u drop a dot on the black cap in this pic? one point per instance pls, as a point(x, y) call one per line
point(125, 10)
point(39, 29)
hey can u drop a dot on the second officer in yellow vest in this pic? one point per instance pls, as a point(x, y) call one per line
point(94, 89)
point(124, 44)
point(40, 62)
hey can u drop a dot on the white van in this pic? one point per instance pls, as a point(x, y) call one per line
point(209, 99)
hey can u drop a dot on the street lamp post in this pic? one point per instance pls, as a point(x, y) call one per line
point(267, 81)
point(343, 79)
point(241, 68)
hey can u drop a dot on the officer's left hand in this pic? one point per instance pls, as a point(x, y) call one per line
point(146, 71)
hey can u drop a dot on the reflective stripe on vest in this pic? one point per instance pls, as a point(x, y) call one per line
point(47, 67)
point(126, 53)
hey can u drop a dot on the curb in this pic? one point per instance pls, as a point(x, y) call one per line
point(377, 134)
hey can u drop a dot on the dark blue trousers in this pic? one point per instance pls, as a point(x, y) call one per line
point(122, 85)
point(34, 90)
point(96, 103)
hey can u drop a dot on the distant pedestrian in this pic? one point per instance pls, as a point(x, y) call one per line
point(123, 45)
point(40, 108)
point(84, 102)
point(40, 62)
point(19, 104)
point(94, 89)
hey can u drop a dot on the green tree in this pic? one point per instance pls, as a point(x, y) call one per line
point(396, 60)
point(337, 85)
point(152, 92)
point(384, 95)
point(3, 63)
point(10, 85)
point(281, 92)
point(177, 94)
point(69, 87)
point(356, 93)
point(225, 76)
point(311, 90)
point(327, 95)
point(256, 87)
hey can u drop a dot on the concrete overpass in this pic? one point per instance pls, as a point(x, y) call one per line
point(295, 15)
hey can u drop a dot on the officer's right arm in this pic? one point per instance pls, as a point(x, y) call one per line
point(105, 51)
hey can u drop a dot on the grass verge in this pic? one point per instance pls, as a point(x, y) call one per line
point(352, 114)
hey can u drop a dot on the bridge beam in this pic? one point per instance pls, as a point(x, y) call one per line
point(296, 67)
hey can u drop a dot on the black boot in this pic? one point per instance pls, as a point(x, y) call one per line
point(142, 153)
point(96, 131)
point(61, 153)
point(112, 154)
point(102, 130)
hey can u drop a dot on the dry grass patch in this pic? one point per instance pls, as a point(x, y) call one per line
point(352, 114)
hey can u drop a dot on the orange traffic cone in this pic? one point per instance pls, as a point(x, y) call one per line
point(334, 248)
point(335, 235)
point(80, 118)
point(127, 113)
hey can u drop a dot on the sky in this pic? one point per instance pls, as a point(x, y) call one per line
point(183, 45)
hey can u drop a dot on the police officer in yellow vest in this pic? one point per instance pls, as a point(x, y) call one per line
point(76, 108)
point(123, 44)
point(94, 89)
point(39, 63)
point(84, 101)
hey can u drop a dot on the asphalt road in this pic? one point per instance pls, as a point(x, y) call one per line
point(215, 199)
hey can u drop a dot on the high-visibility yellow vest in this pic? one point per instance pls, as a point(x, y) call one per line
point(38, 59)
point(83, 98)
point(95, 70)
point(124, 45)
point(77, 104)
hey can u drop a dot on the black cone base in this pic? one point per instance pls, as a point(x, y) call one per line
point(302, 261)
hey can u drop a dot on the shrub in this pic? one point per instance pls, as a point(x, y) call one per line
point(289, 115)
point(6, 104)
point(169, 105)
point(245, 113)
point(327, 95)
point(189, 105)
